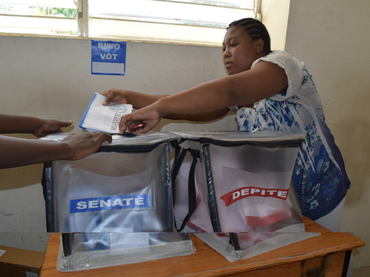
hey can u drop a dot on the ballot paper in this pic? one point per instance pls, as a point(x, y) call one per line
point(103, 118)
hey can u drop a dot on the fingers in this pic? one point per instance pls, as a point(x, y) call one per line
point(82, 145)
point(110, 97)
point(103, 137)
point(63, 124)
point(124, 123)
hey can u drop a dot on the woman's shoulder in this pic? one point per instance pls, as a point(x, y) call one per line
point(291, 65)
point(283, 59)
point(294, 70)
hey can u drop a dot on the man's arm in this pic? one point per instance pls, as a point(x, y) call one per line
point(19, 152)
point(31, 125)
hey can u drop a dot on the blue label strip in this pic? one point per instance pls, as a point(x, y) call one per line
point(85, 114)
point(109, 203)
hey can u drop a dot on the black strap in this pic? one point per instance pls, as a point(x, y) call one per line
point(234, 241)
point(192, 195)
point(179, 158)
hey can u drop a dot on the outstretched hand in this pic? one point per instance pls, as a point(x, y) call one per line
point(147, 115)
point(85, 144)
point(50, 126)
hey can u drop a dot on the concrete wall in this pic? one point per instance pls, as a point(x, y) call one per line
point(333, 39)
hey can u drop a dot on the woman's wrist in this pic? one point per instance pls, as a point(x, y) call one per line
point(162, 106)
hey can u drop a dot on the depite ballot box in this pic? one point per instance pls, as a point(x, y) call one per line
point(236, 182)
point(125, 187)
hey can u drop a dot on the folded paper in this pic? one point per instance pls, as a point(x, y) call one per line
point(103, 118)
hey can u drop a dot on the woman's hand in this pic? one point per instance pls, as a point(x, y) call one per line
point(149, 116)
point(49, 126)
point(117, 96)
point(136, 99)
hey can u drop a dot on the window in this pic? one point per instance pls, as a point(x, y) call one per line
point(42, 17)
point(200, 22)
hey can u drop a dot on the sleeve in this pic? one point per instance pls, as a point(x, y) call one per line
point(293, 69)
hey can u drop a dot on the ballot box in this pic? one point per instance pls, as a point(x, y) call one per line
point(239, 246)
point(236, 182)
point(125, 187)
point(82, 251)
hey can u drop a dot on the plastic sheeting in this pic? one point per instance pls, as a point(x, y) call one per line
point(82, 251)
point(125, 187)
point(242, 182)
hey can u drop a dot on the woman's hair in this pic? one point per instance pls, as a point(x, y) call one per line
point(255, 29)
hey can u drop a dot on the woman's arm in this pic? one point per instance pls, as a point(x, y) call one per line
point(262, 81)
point(140, 100)
point(136, 99)
point(18, 152)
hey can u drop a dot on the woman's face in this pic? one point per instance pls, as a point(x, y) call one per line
point(239, 50)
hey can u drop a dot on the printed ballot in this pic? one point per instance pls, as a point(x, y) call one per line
point(103, 118)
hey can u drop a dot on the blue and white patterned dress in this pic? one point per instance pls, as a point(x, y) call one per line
point(319, 174)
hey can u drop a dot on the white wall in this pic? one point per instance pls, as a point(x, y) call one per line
point(333, 39)
point(51, 78)
point(275, 16)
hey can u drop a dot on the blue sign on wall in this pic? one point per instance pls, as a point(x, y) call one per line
point(108, 57)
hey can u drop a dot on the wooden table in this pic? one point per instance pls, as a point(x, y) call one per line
point(327, 254)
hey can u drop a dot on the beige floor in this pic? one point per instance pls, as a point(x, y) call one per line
point(361, 272)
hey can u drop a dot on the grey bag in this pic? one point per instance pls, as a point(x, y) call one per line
point(124, 187)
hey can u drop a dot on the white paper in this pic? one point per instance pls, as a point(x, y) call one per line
point(103, 118)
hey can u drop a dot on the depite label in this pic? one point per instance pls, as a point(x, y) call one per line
point(238, 194)
point(109, 203)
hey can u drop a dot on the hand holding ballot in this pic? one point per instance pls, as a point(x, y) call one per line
point(148, 117)
point(136, 99)
point(105, 118)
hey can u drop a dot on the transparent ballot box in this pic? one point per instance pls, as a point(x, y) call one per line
point(125, 187)
point(239, 246)
point(236, 182)
point(82, 251)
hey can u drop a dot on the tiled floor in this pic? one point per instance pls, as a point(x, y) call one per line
point(361, 272)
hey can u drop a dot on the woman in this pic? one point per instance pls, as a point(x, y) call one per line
point(267, 90)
